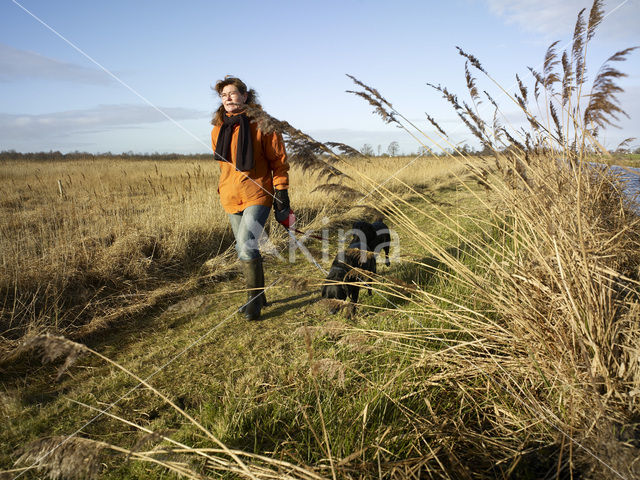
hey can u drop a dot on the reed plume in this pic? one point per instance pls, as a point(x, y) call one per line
point(473, 122)
point(63, 457)
point(603, 107)
point(567, 78)
point(577, 49)
point(343, 191)
point(387, 115)
point(53, 348)
point(550, 77)
point(435, 124)
point(522, 98)
point(596, 14)
point(474, 61)
point(556, 122)
point(539, 81)
point(302, 149)
point(471, 85)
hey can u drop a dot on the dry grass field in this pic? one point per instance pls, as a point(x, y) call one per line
point(478, 355)
point(122, 228)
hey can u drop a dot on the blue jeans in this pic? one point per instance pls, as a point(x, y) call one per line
point(247, 227)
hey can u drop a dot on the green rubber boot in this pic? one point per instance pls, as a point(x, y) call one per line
point(261, 283)
point(254, 277)
point(243, 308)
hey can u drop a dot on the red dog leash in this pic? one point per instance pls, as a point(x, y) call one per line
point(289, 223)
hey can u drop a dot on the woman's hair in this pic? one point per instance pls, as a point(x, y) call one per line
point(242, 88)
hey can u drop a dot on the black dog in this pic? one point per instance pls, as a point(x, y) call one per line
point(364, 240)
point(382, 240)
point(373, 237)
point(356, 256)
point(342, 273)
point(367, 241)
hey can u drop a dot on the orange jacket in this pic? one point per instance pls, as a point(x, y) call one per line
point(239, 190)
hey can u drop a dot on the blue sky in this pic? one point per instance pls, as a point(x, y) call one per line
point(166, 55)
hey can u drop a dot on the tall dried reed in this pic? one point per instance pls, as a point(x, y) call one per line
point(537, 340)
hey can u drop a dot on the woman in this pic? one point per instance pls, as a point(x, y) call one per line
point(252, 165)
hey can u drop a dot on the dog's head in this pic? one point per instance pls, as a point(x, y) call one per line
point(334, 288)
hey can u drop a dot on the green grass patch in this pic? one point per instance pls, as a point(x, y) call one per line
point(295, 386)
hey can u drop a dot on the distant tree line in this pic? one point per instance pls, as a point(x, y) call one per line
point(59, 156)
point(464, 149)
point(393, 150)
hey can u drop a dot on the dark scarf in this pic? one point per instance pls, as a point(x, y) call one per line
point(244, 152)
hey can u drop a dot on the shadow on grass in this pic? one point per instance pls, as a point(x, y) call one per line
point(289, 304)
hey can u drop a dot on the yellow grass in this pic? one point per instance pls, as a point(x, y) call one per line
point(75, 231)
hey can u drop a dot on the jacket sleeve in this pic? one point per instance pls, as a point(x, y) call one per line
point(273, 147)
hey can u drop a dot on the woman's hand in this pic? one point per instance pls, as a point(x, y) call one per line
point(281, 201)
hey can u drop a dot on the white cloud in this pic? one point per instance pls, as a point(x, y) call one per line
point(101, 118)
point(555, 19)
point(17, 65)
